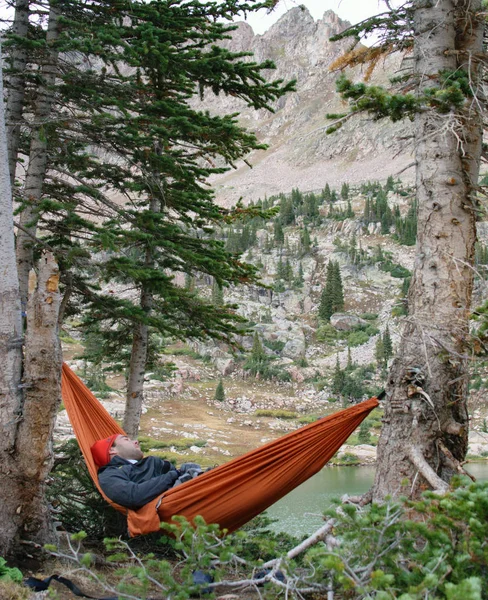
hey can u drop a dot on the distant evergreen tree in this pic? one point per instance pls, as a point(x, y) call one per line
point(287, 213)
point(349, 212)
point(232, 243)
point(387, 344)
point(189, 282)
point(288, 271)
point(379, 352)
point(345, 191)
point(390, 184)
point(305, 240)
point(338, 291)
point(332, 297)
point(481, 259)
point(279, 236)
point(298, 282)
point(367, 213)
point(296, 199)
point(338, 378)
point(219, 392)
point(326, 194)
point(217, 294)
point(311, 207)
point(326, 298)
point(406, 228)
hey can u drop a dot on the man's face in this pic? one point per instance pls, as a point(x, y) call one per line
point(126, 448)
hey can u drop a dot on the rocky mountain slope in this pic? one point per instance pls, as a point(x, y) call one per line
point(300, 152)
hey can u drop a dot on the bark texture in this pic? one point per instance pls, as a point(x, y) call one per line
point(36, 170)
point(16, 94)
point(22, 495)
point(10, 338)
point(424, 436)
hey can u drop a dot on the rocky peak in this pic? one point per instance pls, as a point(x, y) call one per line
point(300, 151)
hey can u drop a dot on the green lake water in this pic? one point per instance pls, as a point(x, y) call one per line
point(300, 512)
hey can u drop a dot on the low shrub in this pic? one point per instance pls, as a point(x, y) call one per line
point(274, 345)
point(277, 414)
point(369, 316)
point(357, 338)
point(434, 548)
point(346, 459)
point(147, 443)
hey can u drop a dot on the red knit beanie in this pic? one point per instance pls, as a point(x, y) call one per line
point(100, 450)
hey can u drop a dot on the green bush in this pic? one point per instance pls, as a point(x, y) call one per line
point(277, 414)
point(326, 333)
point(434, 548)
point(394, 269)
point(357, 338)
point(369, 316)
point(274, 345)
point(307, 419)
point(346, 459)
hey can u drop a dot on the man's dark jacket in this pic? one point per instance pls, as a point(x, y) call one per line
point(135, 484)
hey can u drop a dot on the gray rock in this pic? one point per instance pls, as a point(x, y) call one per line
point(294, 348)
point(225, 366)
point(345, 322)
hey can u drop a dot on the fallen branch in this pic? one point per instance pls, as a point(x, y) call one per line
point(318, 536)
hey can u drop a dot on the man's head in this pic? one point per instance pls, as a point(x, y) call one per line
point(116, 445)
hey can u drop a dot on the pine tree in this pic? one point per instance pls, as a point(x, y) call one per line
point(279, 236)
point(298, 282)
point(327, 298)
point(325, 194)
point(219, 392)
point(288, 271)
point(305, 240)
point(379, 352)
point(337, 288)
point(387, 344)
point(332, 297)
point(338, 378)
point(345, 191)
point(390, 184)
point(217, 293)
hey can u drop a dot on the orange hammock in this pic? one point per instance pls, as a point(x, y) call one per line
point(233, 493)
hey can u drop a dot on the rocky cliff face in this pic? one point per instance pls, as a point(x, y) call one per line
point(300, 152)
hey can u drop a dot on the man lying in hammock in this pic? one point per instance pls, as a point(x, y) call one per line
point(131, 480)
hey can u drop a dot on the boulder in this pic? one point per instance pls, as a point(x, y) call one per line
point(225, 366)
point(345, 322)
point(294, 348)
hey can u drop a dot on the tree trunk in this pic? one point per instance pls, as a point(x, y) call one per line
point(36, 170)
point(424, 436)
point(42, 381)
point(10, 341)
point(140, 343)
point(16, 85)
point(137, 368)
point(135, 382)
